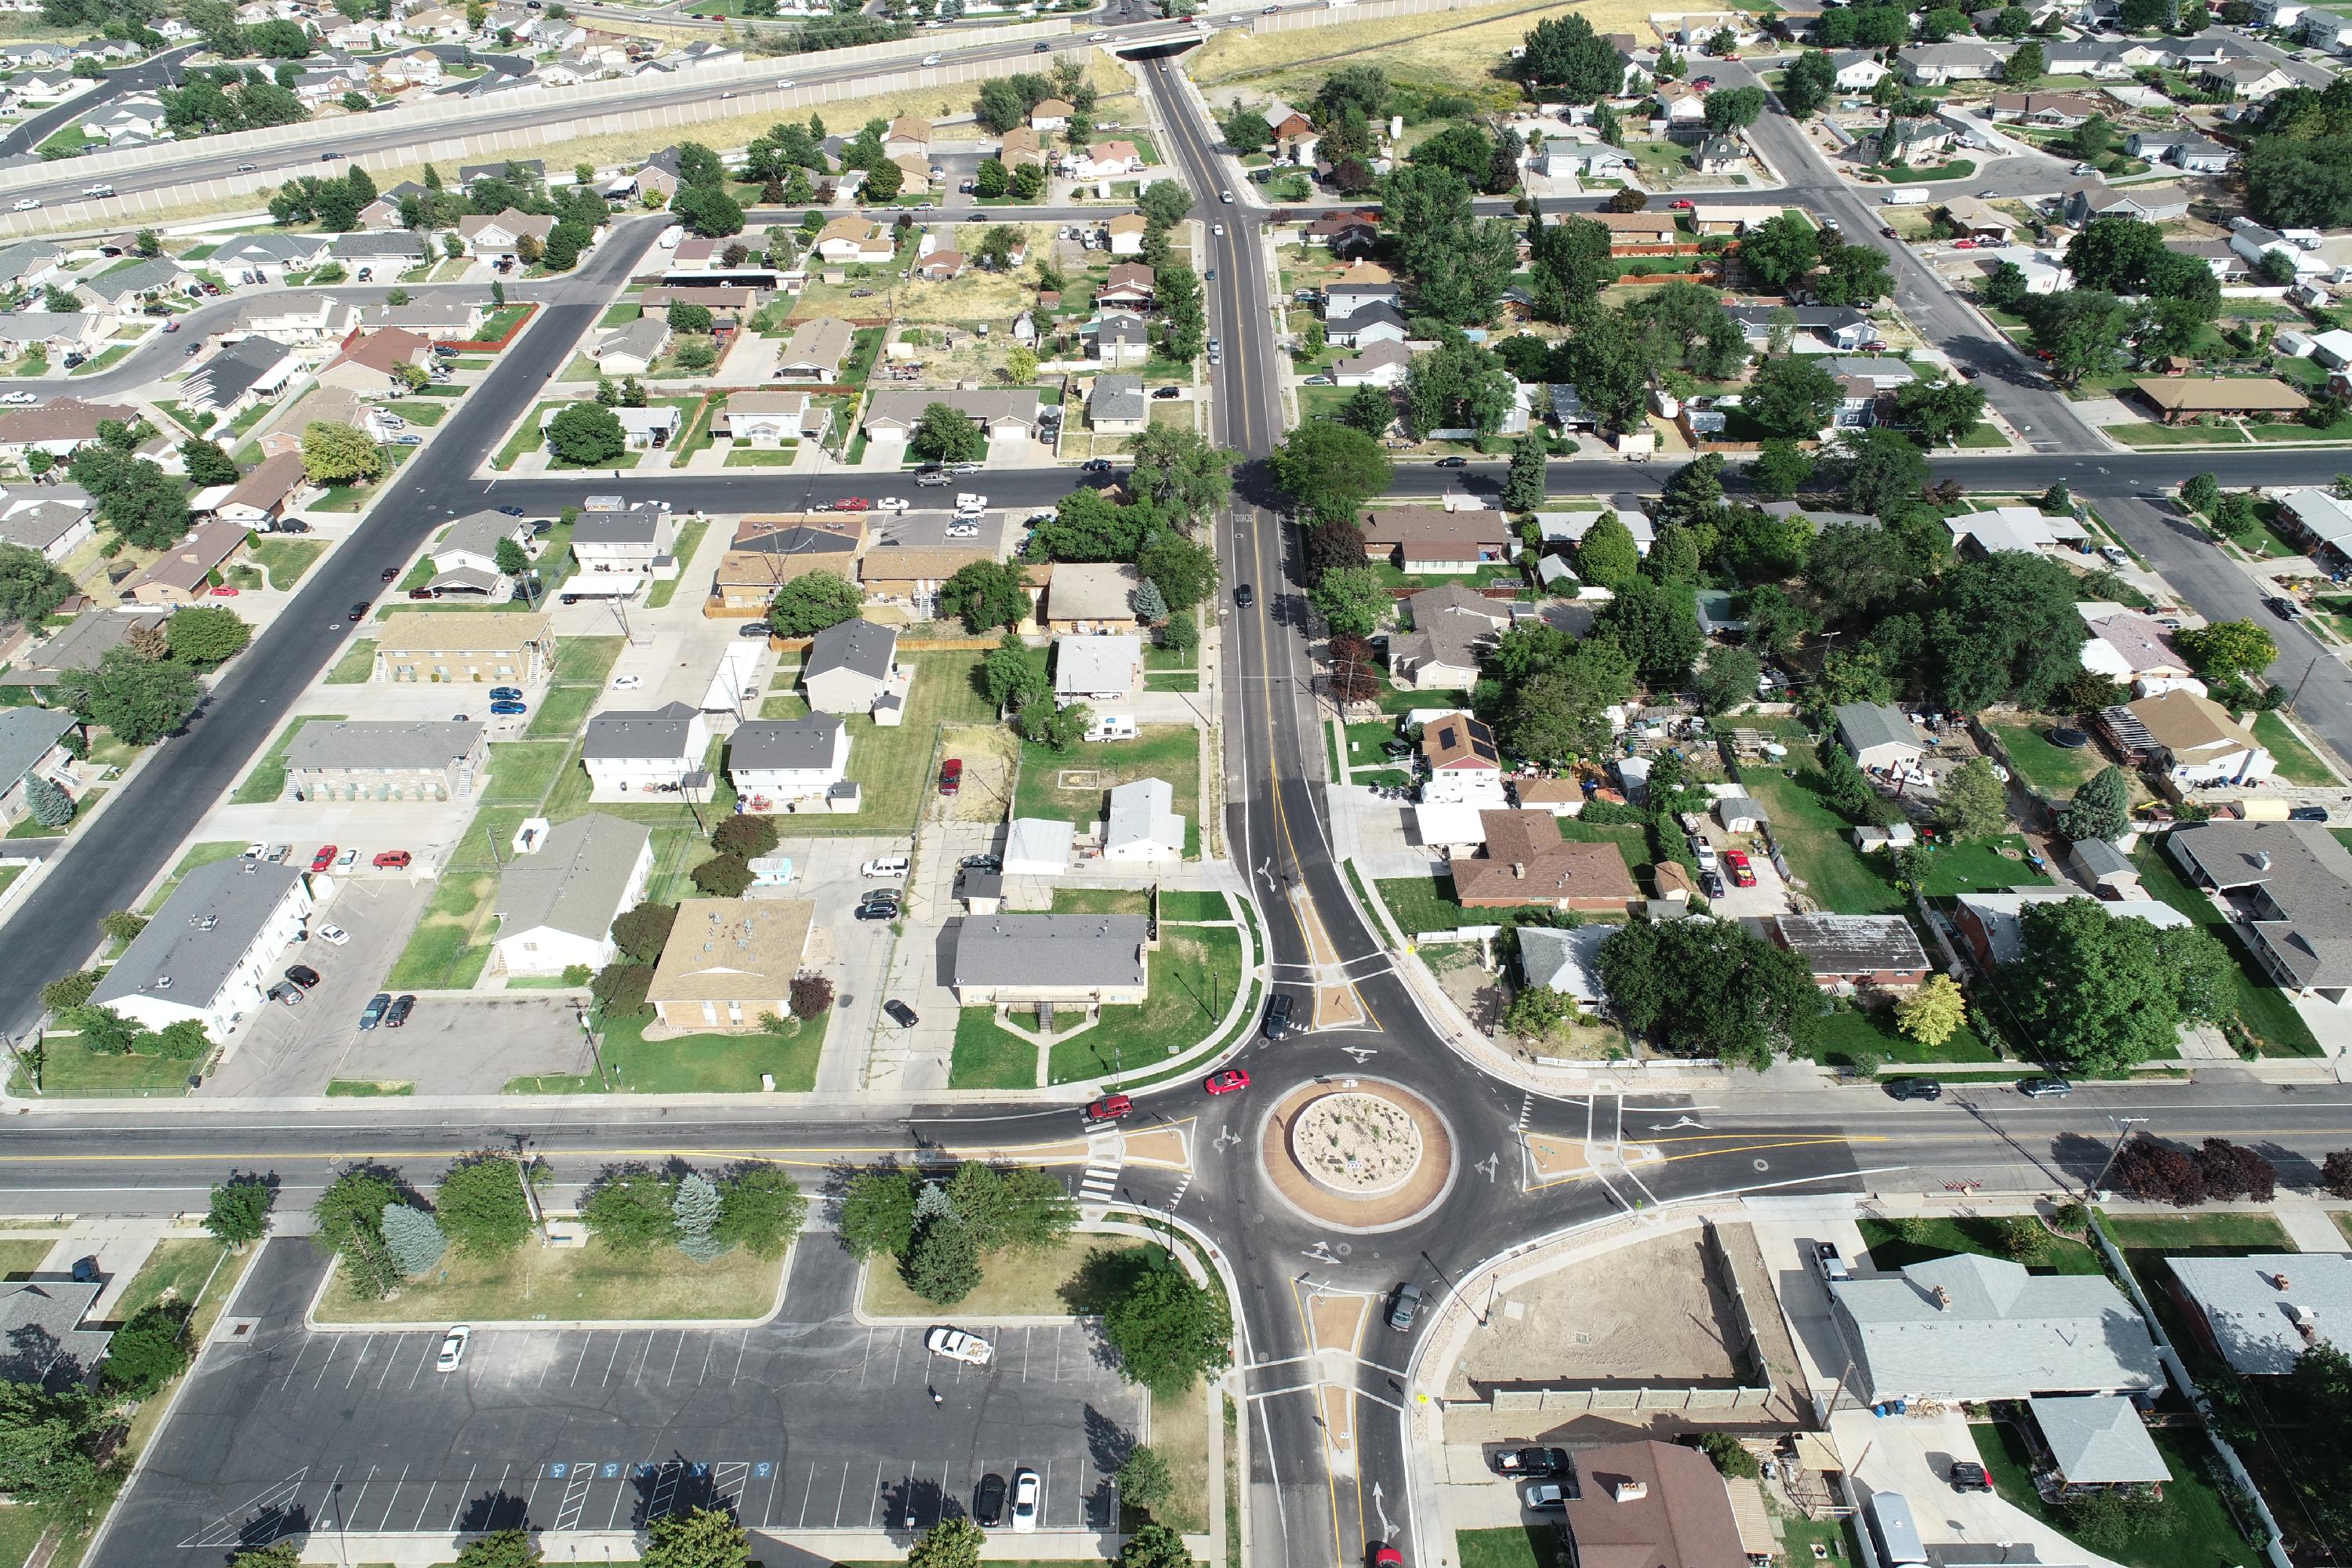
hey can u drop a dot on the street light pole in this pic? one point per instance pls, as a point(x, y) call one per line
point(2123, 1125)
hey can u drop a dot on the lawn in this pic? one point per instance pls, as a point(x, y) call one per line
point(285, 558)
point(1942, 1237)
point(1850, 1032)
point(574, 1284)
point(1063, 1280)
point(2054, 772)
point(2264, 1010)
point(356, 666)
point(368, 1089)
point(586, 660)
point(176, 1270)
point(562, 712)
point(522, 771)
point(1075, 787)
point(2171, 1233)
point(2297, 763)
point(2193, 1530)
point(442, 953)
point(987, 1056)
point(1195, 976)
point(1510, 1546)
point(266, 782)
point(1101, 901)
point(1819, 849)
point(688, 538)
point(1189, 906)
point(68, 1069)
point(693, 1064)
point(1420, 904)
point(892, 766)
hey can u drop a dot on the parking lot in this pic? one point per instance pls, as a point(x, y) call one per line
point(812, 1421)
point(927, 530)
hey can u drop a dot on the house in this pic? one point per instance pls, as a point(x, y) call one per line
point(1050, 114)
point(2250, 81)
point(2319, 518)
point(51, 521)
point(1381, 364)
point(60, 426)
point(1637, 234)
point(374, 365)
point(908, 134)
point(2325, 30)
point(2294, 881)
point(43, 1319)
point(1453, 626)
point(913, 175)
point(1116, 405)
point(642, 751)
point(122, 290)
point(1849, 953)
point(2022, 530)
point(1904, 139)
point(1091, 597)
point(815, 350)
point(795, 764)
point(498, 237)
point(632, 348)
point(2260, 1311)
point(183, 573)
point(1525, 861)
point(1104, 160)
point(629, 539)
point(381, 256)
point(1344, 300)
point(657, 175)
point(1881, 738)
point(1292, 133)
point(766, 556)
point(213, 951)
point(1585, 161)
point(642, 428)
point(1143, 827)
point(1719, 156)
point(1567, 961)
point(1729, 220)
point(269, 258)
point(56, 333)
point(2125, 646)
point(385, 759)
point(1979, 220)
point(1123, 339)
point(1038, 846)
point(2061, 110)
point(895, 575)
point(2080, 203)
point(850, 668)
point(31, 263)
point(1570, 528)
point(1072, 960)
point(1002, 415)
point(1653, 1505)
point(731, 963)
point(1814, 329)
point(2193, 739)
point(1681, 105)
point(31, 746)
point(1376, 324)
point(556, 905)
point(1464, 767)
point(266, 494)
point(1939, 65)
point(2176, 398)
point(1988, 923)
point(1858, 70)
point(1126, 232)
point(1129, 287)
point(769, 420)
point(1981, 1328)
point(1344, 234)
point(1097, 668)
point(436, 320)
point(1431, 538)
point(503, 647)
point(299, 320)
point(466, 557)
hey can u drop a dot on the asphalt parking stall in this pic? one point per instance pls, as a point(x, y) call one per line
point(811, 1421)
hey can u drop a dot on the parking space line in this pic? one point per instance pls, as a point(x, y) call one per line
point(776, 1483)
point(385, 1522)
point(300, 1351)
point(941, 1511)
point(710, 1349)
point(877, 1505)
point(1048, 1488)
point(897, 1355)
point(614, 1360)
point(674, 1356)
point(620, 1494)
point(649, 1355)
point(867, 1358)
point(329, 1362)
point(421, 1360)
point(742, 1346)
point(579, 1477)
point(583, 1357)
point(1028, 1336)
point(467, 1490)
point(426, 1504)
point(364, 1348)
point(801, 1523)
point(1057, 1353)
point(390, 1363)
point(362, 1491)
point(532, 1496)
point(550, 1361)
point(843, 1496)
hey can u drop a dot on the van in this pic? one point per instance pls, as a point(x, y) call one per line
point(1893, 1530)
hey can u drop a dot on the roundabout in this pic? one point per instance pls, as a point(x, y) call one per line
point(1358, 1153)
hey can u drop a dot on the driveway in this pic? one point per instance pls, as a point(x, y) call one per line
point(824, 871)
point(1913, 1454)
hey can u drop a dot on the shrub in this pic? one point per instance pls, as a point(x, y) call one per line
point(811, 994)
point(746, 835)
point(148, 1351)
point(723, 876)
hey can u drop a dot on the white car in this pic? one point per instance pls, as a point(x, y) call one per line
point(1096, 38)
point(956, 1345)
point(453, 1349)
point(930, 59)
point(21, 398)
point(892, 504)
point(27, 204)
point(1028, 1500)
point(347, 860)
point(1227, 197)
point(785, 84)
point(627, 682)
point(1220, 229)
point(890, 866)
point(960, 531)
point(334, 933)
point(255, 851)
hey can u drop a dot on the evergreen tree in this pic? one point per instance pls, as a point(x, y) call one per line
point(1523, 486)
point(695, 1207)
point(1149, 604)
point(51, 806)
point(411, 1237)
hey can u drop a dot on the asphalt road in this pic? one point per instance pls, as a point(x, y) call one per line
point(159, 70)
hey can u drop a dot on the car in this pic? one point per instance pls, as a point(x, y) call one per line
point(1826, 1260)
point(1964, 245)
point(1452, 462)
point(783, 84)
point(1218, 228)
point(390, 574)
point(27, 204)
point(302, 974)
point(290, 994)
point(1210, 276)
point(627, 682)
point(956, 1345)
point(2307, 814)
point(1830, 223)
point(245, 168)
point(888, 866)
point(1967, 1476)
point(951, 776)
point(1403, 1307)
point(983, 863)
point(1278, 1009)
point(226, 591)
point(506, 694)
point(1094, 466)
point(291, 525)
point(1914, 1089)
point(400, 1010)
point(277, 853)
point(1217, 355)
point(1968, 372)
point(1244, 596)
point(323, 858)
point(931, 478)
point(1227, 197)
point(892, 504)
point(754, 630)
point(851, 503)
point(453, 1349)
point(391, 860)
point(1388, 1557)
point(960, 531)
point(373, 1014)
point(1886, 231)
point(1544, 1497)
point(1396, 751)
point(1028, 1487)
point(330, 157)
point(332, 935)
point(1710, 882)
point(97, 190)
point(1109, 1107)
point(906, 1017)
point(86, 1270)
point(987, 1501)
point(2044, 1088)
point(1231, 1081)
point(356, 612)
point(508, 709)
point(255, 851)
point(412, 439)
point(2284, 609)
point(1043, 50)
point(1743, 874)
point(1681, 204)
point(930, 59)
point(21, 398)
point(1531, 1462)
point(877, 909)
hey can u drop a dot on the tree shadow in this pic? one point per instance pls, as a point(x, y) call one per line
point(272, 1523)
point(911, 1504)
point(1107, 1277)
point(673, 1486)
point(494, 1511)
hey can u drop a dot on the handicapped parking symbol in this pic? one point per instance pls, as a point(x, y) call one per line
point(699, 1471)
point(555, 1472)
point(642, 1470)
point(763, 1469)
point(611, 1471)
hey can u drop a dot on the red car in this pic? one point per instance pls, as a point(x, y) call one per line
point(1681, 204)
point(323, 858)
point(851, 503)
point(1743, 875)
point(1701, 83)
point(1229, 1081)
point(1388, 1557)
point(225, 592)
point(1109, 1107)
point(1964, 245)
point(393, 860)
point(951, 776)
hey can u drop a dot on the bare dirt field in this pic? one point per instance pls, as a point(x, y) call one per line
point(986, 796)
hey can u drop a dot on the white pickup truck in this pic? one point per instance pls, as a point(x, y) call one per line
point(968, 500)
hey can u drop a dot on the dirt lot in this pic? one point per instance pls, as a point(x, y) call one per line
point(1457, 49)
point(988, 753)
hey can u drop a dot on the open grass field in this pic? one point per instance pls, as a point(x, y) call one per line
point(2222, 1232)
point(1075, 787)
point(578, 1284)
point(1459, 49)
point(1067, 1279)
point(2263, 1009)
point(356, 664)
point(694, 1064)
point(1510, 1546)
point(443, 952)
point(521, 771)
point(174, 1271)
point(66, 1069)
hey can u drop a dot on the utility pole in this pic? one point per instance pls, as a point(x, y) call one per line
point(529, 1198)
point(2295, 702)
point(2123, 1125)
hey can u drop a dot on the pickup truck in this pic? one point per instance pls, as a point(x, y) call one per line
point(970, 501)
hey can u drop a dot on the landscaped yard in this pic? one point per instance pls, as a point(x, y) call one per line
point(694, 1064)
point(1819, 845)
point(1849, 1033)
point(356, 666)
point(577, 1284)
point(2264, 1010)
point(1064, 1279)
point(2297, 763)
point(175, 1270)
point(1942, 1237)
point(1510, 1546)
point(2192, 1529)
point(2172, 1233)
point(1075, 787)
point(2054, 772)
point(285, 558)
point(986, 1057)
point(1193, 976)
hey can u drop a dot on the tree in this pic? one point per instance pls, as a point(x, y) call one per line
point(1859, 274)
point(1021, 367)
point(205, 635)
point(1657, 627)
point(760, 1210)
point(1047, 722)
point(140, 700)
point(1155, 1546)
point(500, 1549)
point(1560, 713)
point(1567, 54)
point(2104, 994)
point(1014, 674)
point(811, 998)
point(1569, 263)
point(1523, 486)
point(1457, 385)
point(1730, 1456)
point(481, 1206)
point(696, 354)
point(147, 1351)
point(641, 933)
point(694, 1209)
point(413, 1240)
point(1352, 599)
point(1734, 108)
point(2200, 492)
point(239, 1214)
point(685, 316)
point(1180, 469)
point(699, 1537)
point(2227, 648)
point(1808, 83)
point(723, 876)
point(2231, 1171)
point(1329, 470)
point(1779, 251)
point(278, 1554)
point(986, 594)
point(1709, 988)
point(1184, 570)
point(2005, 627)
point(2101, 808)
point(2157, 1173)
point(955, 1541)
point(875, 1214)
point(1143, 1480)
point(629, 1209)
point(2082, 330)
point(30, 587)
point(339, 454)
point(1169, 1331)
point(1792, 396)
point(47, 802)
point(1938, 411)
point(1934, 1013)
point(1149, 607)
point(1728, 681)
point(945, 434)
point(205, 462)
point(942, 1262)
point(1778, 468)
point(807, 606)
point(2025, 67)
point(1607, 554)
point(586, 436)
point(2336, 1173)
point(1970, 801)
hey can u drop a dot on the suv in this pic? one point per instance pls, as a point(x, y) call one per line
point(888, 865)
point(1967, 1476)
point(1109, 1107)
point(1915, 1088)
point(1404, 1307)
point(393, 860)
point(1278, 1016)
point(399, 1011)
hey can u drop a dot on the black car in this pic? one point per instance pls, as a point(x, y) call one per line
point(2044, 1088)
point(1166, 392)
point(508, 511)
point(1531, 1463)
point(988, 1502)
point(1452, 462)
point(400, 1010)
point(878, 908)
point(1915, 1088)
point(302, 974)
point(982, 863)
point(2307, 814)
point(1396, 751)
point(1967, 1476)
point(291, 525)
point(1244, 596)
point(1710, 883)
point(1403, 1307)
point(1094, 466)
point(1277, 1017)
point(754, 630)
point(374, 1013)
point(900, 1014)
point(356, 612)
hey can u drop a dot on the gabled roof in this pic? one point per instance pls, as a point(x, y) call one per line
point(733, 950)
point(784, 744)
point(2099, 1439)
point(1865, 725)
point(390, 744)
point(861, 647)
point(1834, 945)
point(1050, 950)
point(576, 882)
point(1982, 1328)
point(1143, 811)
point(26, 735)
point(1458, 741)
point(664, 733)
point(2259, 1307)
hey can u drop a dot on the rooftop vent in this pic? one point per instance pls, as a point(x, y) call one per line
point(2261, 859)
point(162, 982)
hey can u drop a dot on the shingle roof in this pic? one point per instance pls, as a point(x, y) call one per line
point(1982, 1328)
point(1050, 950)
point(784, 744)
point(1866, 725)
point(1997, 914)
point(26, 734)
point(859, 645)
point(381, 742)
point(2305, 877)
point(1143, 811)
point(200, 934)
point(40, 1324)
point(577, 880)
point(661, 732)
point(733, 950)
point(2258, 1305)
point(2098, 1439)
point(1851, 944)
